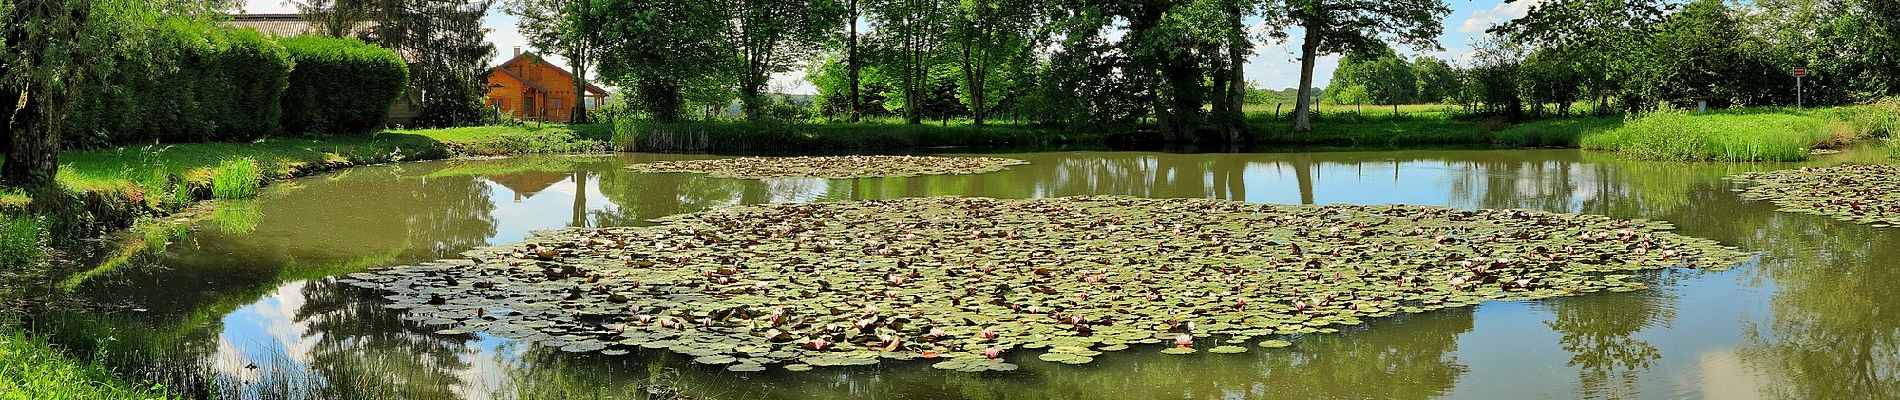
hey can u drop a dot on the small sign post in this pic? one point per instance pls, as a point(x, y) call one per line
point(1799, 72)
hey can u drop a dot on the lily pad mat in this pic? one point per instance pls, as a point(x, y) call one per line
point(831, 167)
point(1861, 193)
point(967, 280)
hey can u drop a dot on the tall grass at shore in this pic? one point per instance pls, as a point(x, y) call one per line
point(1743, 135)
point(236, 179)
point(30, 368)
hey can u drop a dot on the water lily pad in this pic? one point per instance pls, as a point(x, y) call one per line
point(1858, 193)
point(1227, 350)
point(965, 281)
point(1178, 350)
point(1275, 344)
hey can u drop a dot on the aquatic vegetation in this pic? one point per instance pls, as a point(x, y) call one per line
point(834, 167)
point(236, 179)
point(1862, 193)
point(966, 281)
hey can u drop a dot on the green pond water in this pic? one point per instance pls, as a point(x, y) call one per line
point(243, 294)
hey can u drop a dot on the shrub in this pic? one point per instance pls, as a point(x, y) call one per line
point(236, 179)
point(223, 84)
point(340, 86)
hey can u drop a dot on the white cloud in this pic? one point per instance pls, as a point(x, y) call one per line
point(1481, 20)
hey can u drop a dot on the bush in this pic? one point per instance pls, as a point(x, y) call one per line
point(224, 84)
point(236, 179)
point(340, 86)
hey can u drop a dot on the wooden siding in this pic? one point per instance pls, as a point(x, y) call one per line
point(532, 89)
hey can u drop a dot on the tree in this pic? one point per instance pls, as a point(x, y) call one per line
point(986, 35)
point(447, 50)
point(661, 49)
point(1386, 78)
point(1437, 80)
point(910, 33)
point(1338, 26)
point(771, 36)
point(53, 50)
point(1606, 38)
point(563, 27)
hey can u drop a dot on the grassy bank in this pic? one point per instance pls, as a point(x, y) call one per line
point(33, 369)
point(1744, 135)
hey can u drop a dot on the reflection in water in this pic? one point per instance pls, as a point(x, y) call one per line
point(247, 286)
point(1599, 335)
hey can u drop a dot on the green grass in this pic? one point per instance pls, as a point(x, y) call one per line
point(32, 369)
point(1740, 135)
point(21, 240)
point(236, 179)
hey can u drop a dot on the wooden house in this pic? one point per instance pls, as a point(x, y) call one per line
point(531, 88)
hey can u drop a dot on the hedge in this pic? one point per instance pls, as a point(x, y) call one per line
point(224, 85)
point(340, 86)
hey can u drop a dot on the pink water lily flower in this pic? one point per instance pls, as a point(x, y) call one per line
point(1185, 340)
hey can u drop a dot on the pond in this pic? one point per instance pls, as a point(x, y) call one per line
point(245, 295)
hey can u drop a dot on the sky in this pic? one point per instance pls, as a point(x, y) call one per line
point(1274, 65)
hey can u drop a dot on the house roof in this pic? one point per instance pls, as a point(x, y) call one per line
point(273, 24)
point(518, 78)
point(526, 56)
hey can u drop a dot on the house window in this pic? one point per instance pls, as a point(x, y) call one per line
point(555, 103)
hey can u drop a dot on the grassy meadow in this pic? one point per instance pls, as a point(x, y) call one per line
point(1743, 135)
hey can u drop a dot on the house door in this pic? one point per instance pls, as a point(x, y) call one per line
point(529, 109)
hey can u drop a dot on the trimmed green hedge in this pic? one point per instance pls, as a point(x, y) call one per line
point(224, 86)
point(340, 86)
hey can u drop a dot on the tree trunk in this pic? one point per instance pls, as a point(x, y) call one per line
point(1237, 47)
point(1302, 108)
point(851, 62)
point(33, 150)
point(579, 116)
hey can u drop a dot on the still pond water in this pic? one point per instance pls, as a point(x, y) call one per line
point(243, 291)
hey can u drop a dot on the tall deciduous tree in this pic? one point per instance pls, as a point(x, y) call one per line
point(1607, 38)
point(771, 36)
point(910, 33)
point(662, 50)
point(986, 35)
point(1339, 26)
point(447, 50)
point(567, 28)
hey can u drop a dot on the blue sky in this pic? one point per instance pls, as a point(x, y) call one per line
point(1274, 65)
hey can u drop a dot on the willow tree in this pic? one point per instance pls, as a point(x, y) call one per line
point(1340, 26)
point(567, 28)
point(54, 49)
